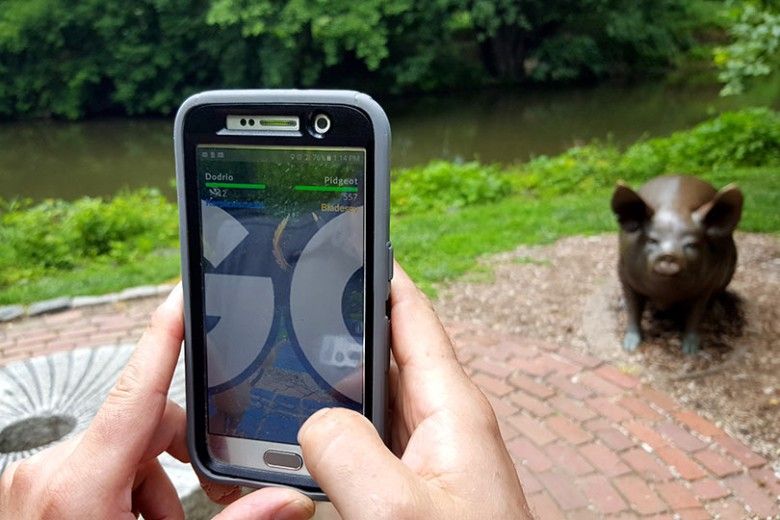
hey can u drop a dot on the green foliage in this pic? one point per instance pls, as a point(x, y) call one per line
point(331, 26)
point(71, 58)
point(437, 247)
point(444, 215)
point(95, 278)
point(68, 58)
point(581, 169)
point(396, 44)
point(55, 236)
point(755, 47)
point(574, 39)
point(442, 185)
point(739, 139)
point(568, 194)
point(734, 139)
point(748, 137)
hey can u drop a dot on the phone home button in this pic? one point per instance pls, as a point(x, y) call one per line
point(283, 459)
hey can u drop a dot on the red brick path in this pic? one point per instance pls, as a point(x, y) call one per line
point(588, 440)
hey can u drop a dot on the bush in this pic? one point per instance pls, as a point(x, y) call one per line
point(732, 140)
point(579, 169)
point(748, 137)
point(442, 185)
point(55, 235)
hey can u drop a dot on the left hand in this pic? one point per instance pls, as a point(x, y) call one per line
point(111, 470)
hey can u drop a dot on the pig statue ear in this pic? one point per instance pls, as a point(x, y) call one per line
point(631, 210)
point(720, 216)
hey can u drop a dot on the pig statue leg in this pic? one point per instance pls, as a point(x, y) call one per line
point(635, 305)
point(690, 338)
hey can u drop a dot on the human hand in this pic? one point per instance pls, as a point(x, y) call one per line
point(453, 462)
point(111, 470)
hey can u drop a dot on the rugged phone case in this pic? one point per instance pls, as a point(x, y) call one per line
point(376, 238)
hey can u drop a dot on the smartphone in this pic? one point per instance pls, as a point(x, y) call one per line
point(286, 267)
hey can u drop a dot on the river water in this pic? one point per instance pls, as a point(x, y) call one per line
point(42, 159)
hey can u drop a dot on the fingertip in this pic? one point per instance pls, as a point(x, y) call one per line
point(170, 313)
point(401, 282)
point(349, 461)
point(327, 422)
point(271, 503)
point(312, 422)
point(298, 508)
point(222, 495)
point(176, 295)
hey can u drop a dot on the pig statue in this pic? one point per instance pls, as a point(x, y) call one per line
point(676, 249)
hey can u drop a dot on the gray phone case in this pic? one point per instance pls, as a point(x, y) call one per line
point(382, 250)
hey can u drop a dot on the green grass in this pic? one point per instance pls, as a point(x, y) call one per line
point(89, 246)
point(761, 187)
point(97, 278)
point(435, 247)
point(438, 247)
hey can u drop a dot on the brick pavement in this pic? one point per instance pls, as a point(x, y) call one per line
point(588, 440)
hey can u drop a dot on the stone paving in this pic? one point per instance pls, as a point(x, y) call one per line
point(588, 440)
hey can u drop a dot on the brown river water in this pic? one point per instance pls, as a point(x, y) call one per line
point(42, 159)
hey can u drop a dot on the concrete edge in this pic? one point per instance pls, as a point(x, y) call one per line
point(14, 312)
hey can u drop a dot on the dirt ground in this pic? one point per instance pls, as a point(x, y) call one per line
point(568, 292)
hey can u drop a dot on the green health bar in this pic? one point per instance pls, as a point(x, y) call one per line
point(342, 189)
point(300, 187)
point(236, 185)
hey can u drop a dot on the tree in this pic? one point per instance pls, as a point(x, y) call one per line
point(71, 58)
point(755, 47)
point(298, 41)
point(557, 40)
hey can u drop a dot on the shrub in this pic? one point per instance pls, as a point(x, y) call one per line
point(442, 185)
point(745, 138)
point(579, 169)
point(748, 137)
point(56, 235)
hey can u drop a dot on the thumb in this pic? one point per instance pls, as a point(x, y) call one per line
point(269, 503)
point(363, 479)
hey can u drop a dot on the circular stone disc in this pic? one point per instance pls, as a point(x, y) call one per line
point(70, 386)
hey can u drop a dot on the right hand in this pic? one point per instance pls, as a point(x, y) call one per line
point(447, 460)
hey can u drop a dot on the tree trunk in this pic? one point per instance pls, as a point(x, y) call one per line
point(504, 54)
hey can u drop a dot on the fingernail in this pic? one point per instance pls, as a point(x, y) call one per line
point(295, 510)
point(312, 418)
point(174, 293)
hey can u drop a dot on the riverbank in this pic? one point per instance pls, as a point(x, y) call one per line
point(445, 214)
point(102, 156)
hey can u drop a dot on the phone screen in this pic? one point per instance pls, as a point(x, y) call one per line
point(283, 254)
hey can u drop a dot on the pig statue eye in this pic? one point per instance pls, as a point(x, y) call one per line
point(692, 246)
point(652, 241)
point(631, 226)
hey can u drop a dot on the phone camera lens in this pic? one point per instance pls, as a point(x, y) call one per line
point(321, 123)
point(251, 122)
point(243, 122)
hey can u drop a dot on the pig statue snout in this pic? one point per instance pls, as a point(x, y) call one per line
point(667, 265)
point(676, 249)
